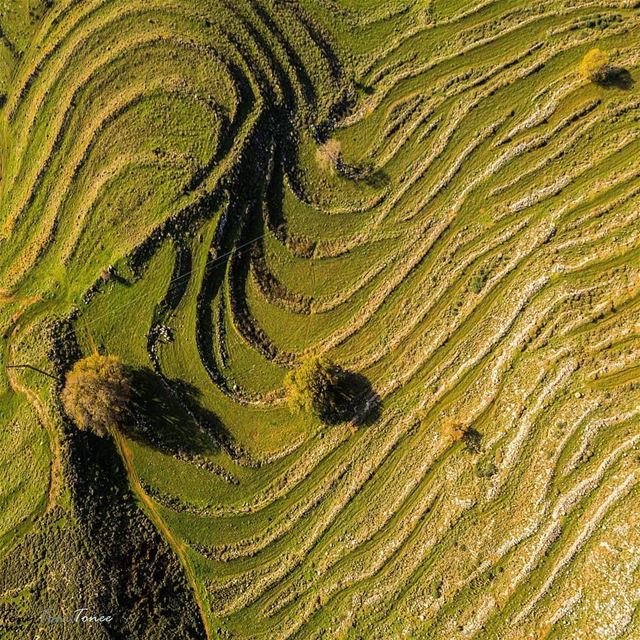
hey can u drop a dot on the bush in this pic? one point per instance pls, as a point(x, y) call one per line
point(478, 280)
point(97, 393)
point(452, 431)
point(595, 65)
point(486, 469)
point(455, 432)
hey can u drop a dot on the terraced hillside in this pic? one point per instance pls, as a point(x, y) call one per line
point(427, 192)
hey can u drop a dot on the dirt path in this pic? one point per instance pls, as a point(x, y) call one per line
point(177, 545)
point(55, 467)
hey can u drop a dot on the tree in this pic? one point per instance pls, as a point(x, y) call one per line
point(310, 387)
point(97, 393)
point(595, 65)
point(323, 389)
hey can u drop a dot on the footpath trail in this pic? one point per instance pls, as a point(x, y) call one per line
point(55, 467)
point(177, 545)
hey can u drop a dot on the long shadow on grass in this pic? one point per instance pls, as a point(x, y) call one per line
point(168, 415)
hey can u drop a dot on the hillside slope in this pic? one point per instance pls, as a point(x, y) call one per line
point(429, 193)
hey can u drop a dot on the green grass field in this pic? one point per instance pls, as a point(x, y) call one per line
point(167, 196)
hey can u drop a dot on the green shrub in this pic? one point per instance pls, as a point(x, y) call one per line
point(478, 281)
point(313, 386)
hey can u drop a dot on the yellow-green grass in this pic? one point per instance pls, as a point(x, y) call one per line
point(474, 254)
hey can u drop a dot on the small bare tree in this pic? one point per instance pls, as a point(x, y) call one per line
point(328, 154)
point(455, 432)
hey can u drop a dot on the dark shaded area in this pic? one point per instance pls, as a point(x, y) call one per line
point(168, 415)
point(99, 553)
point(179, 279)
point(473, 440)
point(367, 89)
point(362, 173)
point(116, 277)
point(273, 216)
point(102, 555)
point(617, 78)
point(352, 399)
point(377, 179)
point(144, 583)
point(64, 350)
point(272, 287)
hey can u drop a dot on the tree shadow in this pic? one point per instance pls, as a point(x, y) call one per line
point(377, 179)
point(362, 172)
point(365, 88)
point(168, 415)
point(617, 78)
point(472, 439)
point(113, 533)
point(353, 400)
